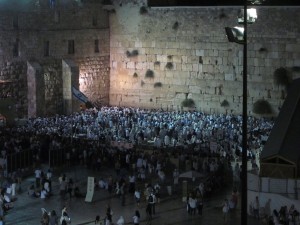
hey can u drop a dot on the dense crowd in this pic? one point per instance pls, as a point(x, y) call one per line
point(162, 128)
point(205, 142)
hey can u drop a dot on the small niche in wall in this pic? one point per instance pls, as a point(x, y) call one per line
point(15, 22)
point(71, 47)
point(46, 48)
point(16, 46)
point(96, 47)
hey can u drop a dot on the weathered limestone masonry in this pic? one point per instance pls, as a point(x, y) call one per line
point(189, 54)
point(41, 37)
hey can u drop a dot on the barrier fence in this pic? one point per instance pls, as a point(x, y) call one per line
point(19, 160)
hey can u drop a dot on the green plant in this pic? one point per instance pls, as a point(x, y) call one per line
point(222, 16)
point(224, 103)
point(143, 10)
point(281, 77)
point(175, 26)
point(170, 57)
point(262, 107)
point(157, 84)
point(135, 75)
point(132, 53)
point(149, 74)
point(169, 65)
point(157, 63)
point(262, 50)
point(188, 102)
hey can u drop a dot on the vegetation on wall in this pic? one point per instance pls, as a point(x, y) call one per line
point(149, 74)
point(169, 65)
point(261, 50)
point(143, 10)
point(262, 107)
point(224, 103)
point(135, 75)
point(175, 26)
point(222, 16)
point(188, 102)
point(281, 77)
point(170, 57)
point(157, 84)
point(157, 63)
point(132, 53)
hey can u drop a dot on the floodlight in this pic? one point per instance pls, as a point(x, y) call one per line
point(251, 16)
point(235, 34)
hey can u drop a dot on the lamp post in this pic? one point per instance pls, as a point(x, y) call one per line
point(244, 125)
point(239, 35)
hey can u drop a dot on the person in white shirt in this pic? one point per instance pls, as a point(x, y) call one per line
point(43, 194)
point(38, 174)
point(137, 196)
point(136, 218)
point(121, 221)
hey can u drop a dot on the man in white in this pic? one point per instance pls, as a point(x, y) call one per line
point(38, 174)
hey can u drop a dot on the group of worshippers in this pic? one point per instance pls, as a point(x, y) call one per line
point(137, 126)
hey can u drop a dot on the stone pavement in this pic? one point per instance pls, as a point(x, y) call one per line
point(170, 211)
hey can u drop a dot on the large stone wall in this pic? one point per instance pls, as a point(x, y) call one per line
point(190, 56)
point(37, 27)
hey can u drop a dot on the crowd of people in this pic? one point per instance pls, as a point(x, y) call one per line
point(284, 215)
point(201, 142)
point(162, 129)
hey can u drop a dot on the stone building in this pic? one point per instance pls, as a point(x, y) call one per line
point(46, 49)
point(130, 54)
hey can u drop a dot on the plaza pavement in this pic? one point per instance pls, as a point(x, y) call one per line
point(170, 211)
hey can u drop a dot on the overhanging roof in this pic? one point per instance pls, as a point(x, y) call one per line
point(284, 139)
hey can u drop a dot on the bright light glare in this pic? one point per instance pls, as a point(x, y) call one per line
point(251, 16)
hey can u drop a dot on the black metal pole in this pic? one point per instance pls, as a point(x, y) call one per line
point(244, 125)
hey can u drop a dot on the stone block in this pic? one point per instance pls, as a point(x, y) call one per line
point(292, 48)
point(199, 52)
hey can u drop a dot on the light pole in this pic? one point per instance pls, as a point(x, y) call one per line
point(239, 35)
point(244, 125)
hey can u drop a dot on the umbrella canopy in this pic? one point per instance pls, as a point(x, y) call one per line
point(192, 174)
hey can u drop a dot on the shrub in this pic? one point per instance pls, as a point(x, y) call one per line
point(157, 84)
point(169, 65)
point(262, 50)
point(149, 74)
point(224, 103)
point(281, 77)
point(262, 107)
point(143, 10)
point(188, 102)
point(175, 26)
point(135, 75)
point(157, 63)
point(132, 53)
